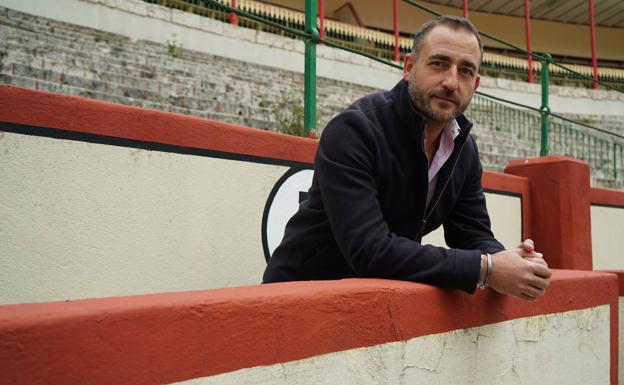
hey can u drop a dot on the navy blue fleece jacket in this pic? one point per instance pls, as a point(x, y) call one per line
point(366, 215)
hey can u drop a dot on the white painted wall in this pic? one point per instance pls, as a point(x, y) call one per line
point(607, 232)
point(569, 348)
point(81, 220)
point(505, 216)
point(140, 20)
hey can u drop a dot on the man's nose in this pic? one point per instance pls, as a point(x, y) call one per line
point(451, 82)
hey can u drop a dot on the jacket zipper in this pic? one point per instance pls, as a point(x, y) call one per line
point(426, 214)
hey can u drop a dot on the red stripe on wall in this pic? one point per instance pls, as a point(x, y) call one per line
point(173, 337)
point(73, 113)
point(606, 196)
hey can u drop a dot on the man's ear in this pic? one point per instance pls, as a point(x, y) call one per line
point(477, 82)
point(407, 66)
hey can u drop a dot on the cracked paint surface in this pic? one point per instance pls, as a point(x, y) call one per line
point(562, 348)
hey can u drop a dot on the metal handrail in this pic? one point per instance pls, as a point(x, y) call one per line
point(288, 17)
point(311, 38)
point(541, 57)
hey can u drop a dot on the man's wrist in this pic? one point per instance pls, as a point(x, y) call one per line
point(485, 272)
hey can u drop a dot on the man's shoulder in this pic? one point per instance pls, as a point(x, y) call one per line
point(372, 103)
point(368, 114)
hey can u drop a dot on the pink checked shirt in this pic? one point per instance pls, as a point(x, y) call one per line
point(445, 149)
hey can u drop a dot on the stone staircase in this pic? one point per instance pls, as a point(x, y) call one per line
point(48, 55)
point(58, 57)
point(504, 133)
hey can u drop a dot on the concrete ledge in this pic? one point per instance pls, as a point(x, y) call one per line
point(165, 338)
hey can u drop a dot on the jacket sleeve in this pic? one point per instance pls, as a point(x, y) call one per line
point(468, 226)
point(345, 166)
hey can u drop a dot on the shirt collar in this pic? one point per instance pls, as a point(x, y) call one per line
point(452, 128)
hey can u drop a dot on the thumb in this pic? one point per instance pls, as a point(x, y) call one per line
point(527, 245)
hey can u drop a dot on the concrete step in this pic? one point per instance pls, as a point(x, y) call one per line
point(58, 57)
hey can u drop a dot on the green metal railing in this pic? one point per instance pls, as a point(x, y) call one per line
point(514, 131)
point(309, 98)
point(543, 58)
point(381, 48)
point(558, 134)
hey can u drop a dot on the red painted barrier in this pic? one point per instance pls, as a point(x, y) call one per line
point(172, 337)
point(560, 218)
point(607, 197)
point(620, 275)
point(72, 113)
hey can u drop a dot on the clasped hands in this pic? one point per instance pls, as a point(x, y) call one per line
point(521, 272)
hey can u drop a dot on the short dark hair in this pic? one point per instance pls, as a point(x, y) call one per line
point(454, 22)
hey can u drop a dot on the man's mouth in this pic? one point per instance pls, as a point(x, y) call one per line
point(455, 102)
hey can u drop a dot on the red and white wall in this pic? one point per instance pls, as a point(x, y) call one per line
point(100, 200)
point(348, 332)
point(103, 200)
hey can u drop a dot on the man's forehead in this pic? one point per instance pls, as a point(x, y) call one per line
point(452, 40)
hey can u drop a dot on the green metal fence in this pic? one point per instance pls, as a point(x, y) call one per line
point(517, 133)
point(381, 47)
point(556, 134)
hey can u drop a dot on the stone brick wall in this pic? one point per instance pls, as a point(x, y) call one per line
point(58, 57)
point(50, 55)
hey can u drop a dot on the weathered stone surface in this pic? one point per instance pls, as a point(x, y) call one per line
point(521, 351)
point(60, 57)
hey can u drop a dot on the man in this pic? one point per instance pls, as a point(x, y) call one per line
point(396, 165)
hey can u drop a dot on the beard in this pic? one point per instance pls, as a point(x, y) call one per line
point(422, 101)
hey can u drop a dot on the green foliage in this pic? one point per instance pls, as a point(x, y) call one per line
point(172, 46)
point(288, 114)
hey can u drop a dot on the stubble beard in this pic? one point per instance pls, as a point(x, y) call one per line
point(422, 101)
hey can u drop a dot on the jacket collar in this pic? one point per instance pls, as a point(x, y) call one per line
point(415, 120)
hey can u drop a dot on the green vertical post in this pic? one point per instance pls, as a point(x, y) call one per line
point(615, 161)
point(621, 156)
point(544, 108)
point(309, 96)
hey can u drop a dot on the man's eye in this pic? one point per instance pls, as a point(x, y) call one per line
point(466, 72)
point(437, 64)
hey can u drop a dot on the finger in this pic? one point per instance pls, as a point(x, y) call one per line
point(524, 297)
point(528, 245)
point(539, 283)
point(539, 260)
point(529, 254)
point(533, 292)
point(541, 270)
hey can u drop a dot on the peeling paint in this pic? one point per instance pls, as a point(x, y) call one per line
point(563, 348)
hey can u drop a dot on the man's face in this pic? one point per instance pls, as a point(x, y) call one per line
point(443, 78)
